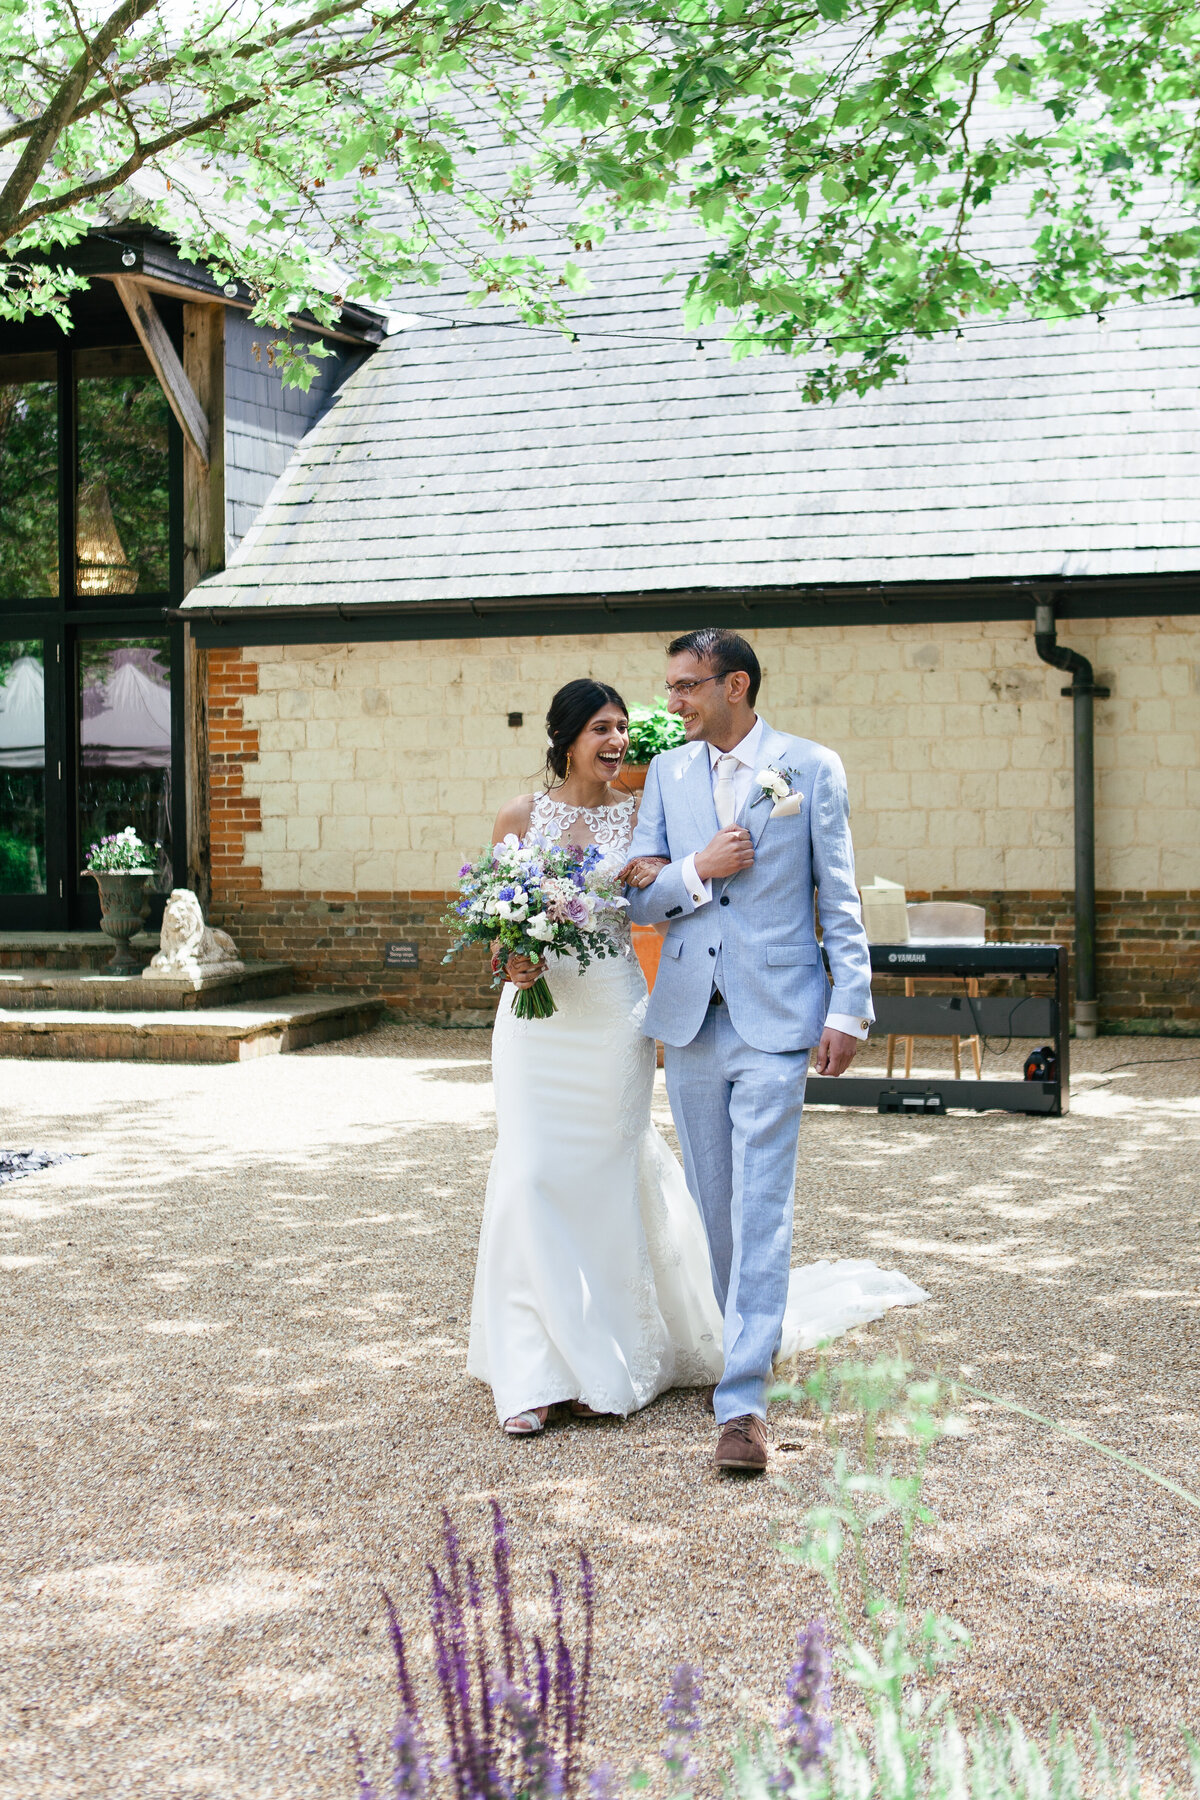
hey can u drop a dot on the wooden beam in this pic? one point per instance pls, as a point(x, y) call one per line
point(204, 483)
point(165, 363)
point(175, 290)
point(203, 550)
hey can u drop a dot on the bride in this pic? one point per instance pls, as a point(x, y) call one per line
point(592, 1286)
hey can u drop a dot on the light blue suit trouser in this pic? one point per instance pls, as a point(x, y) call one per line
point(737, 1111)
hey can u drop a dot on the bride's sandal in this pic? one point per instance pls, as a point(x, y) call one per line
point(527, 1424)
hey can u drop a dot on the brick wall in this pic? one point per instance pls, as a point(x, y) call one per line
point(349, 780)
point(1147, 945)
point(334, 939)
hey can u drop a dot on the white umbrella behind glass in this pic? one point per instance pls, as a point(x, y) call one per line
point(23, 716)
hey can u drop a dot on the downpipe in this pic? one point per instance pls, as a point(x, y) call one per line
point(1083, 691)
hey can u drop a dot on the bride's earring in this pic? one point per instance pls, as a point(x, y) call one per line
point(567, 770)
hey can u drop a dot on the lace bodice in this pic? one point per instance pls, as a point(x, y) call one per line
point(610, 828)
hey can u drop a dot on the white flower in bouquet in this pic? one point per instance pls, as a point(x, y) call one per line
point(525, 897)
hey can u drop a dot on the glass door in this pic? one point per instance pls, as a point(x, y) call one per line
point(124, 751)
point(22, 779)
point(91, 555)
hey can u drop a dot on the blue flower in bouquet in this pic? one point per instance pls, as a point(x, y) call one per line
point(532, 898)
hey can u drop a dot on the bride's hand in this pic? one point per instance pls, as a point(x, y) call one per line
point(521, 972)
point(642, 871)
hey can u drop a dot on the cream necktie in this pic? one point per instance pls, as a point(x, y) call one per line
point(723, 797)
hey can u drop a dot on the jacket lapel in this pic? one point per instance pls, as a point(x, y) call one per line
point(698, 782)
point(774, 750)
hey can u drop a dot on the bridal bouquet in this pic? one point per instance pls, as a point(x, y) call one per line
point(530, 898)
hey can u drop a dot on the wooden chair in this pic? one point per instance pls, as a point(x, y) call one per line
point(942, 922)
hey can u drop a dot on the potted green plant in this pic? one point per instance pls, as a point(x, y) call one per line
point(652, 729)
point(123, 867)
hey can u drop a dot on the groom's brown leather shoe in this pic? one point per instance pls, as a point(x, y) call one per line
point(742, 1445)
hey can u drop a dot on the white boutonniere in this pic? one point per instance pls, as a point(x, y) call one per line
point(777, 785)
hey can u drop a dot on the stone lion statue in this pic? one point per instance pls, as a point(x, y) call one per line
point(189, 947)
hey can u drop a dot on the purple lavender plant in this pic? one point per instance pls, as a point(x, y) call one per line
point(805, 1726)
point(681, 1710)
point(514, 1722)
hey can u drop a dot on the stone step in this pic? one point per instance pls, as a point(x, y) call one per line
point(92, 990)
point(212, 1035)
point(66, 949)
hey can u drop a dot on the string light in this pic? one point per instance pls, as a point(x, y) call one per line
point(129, 257)
point(619, 334)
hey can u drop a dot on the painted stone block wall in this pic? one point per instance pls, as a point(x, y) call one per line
point(357, 776)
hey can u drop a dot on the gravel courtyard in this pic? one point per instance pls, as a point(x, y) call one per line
point(234, 1337)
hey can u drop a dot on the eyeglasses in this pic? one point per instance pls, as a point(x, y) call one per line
point(685, 689)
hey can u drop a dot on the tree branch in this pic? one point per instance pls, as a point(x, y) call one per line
point(167, 65)
point(50, 126)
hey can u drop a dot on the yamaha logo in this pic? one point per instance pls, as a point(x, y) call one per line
point(906, 956)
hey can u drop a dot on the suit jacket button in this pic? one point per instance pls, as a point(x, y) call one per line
point(724, 899)
point(711, 951)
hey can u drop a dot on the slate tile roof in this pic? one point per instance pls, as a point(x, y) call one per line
point(499, 461)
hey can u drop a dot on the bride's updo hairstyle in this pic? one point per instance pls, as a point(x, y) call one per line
point(570, 710)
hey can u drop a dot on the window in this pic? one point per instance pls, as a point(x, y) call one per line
point(91, 555)
point(22, 767)
point(124, 764)
point(28, 482)
point(122, 505)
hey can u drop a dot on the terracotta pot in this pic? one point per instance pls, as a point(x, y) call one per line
point(647, 947)
point(124, 904)
point(633, 777)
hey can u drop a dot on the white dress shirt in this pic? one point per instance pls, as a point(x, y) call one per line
point(745, 766)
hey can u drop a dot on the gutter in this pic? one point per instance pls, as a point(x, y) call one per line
point(1082, 691)
point(852, 603)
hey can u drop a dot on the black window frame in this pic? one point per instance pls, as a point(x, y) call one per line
point(62, 622)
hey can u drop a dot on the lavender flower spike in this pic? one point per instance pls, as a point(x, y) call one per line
point(681, 1710)
point(410, 1764)
point(602, 1783)
point(805, 1725)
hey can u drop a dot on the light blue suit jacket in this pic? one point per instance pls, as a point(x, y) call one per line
point(757, 936)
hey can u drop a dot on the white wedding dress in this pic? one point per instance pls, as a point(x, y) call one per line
point(592, 1281)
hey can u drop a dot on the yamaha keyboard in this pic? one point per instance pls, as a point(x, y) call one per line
point(1043, 1017)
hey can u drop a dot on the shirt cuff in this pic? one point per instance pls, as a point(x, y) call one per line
point(699, 892)
point(846, 1022)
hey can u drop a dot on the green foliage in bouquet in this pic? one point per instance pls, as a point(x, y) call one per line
point(532, 899)
point(652, 729)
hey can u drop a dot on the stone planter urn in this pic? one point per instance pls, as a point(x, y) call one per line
point(124, 905)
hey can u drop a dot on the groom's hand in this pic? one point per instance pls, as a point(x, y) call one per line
point(730, 851)
point(835, 1052)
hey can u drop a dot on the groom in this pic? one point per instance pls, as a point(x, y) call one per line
point(751, 821)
